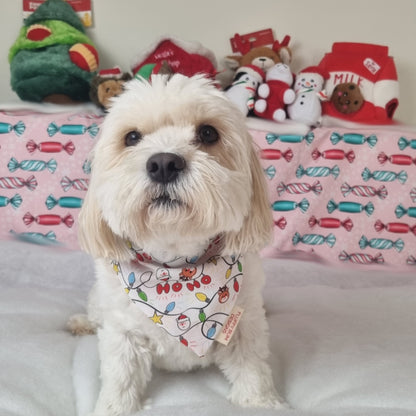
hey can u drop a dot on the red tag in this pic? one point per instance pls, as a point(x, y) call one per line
point(252, 40)
point(82, 7)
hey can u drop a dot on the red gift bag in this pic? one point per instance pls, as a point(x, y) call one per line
point(363, 85)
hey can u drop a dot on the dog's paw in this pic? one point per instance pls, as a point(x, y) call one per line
point(79, 324)
point(118, 407)
point(269, 400)
point(272, 402)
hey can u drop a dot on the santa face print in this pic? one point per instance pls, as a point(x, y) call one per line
point(162, 274)
point(183, 322)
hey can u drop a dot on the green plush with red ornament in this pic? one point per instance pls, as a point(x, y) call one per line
point(53, 59)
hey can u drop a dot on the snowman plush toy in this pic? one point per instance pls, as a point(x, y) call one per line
point(242, 91)
point(308, 86)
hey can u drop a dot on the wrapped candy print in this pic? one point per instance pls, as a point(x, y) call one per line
point(80, 184)
point(14, 201)
point(317, 171)
point(73, 129)
point(50, 147)
point(32, 165)
point(18, 128)
point(348, 177)
point(48, 219)
point(13, 182)
point(298, 188)
point(44, 174)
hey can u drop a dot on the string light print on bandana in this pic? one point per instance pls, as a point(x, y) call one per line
point(190, 298)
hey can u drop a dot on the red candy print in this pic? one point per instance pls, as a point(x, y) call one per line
point(50, 147)
point(334, 154)
point(275, 154)
point(48, 219)
point(395, 227)
point(331, 223)
point(281, 223)
point(396, 159)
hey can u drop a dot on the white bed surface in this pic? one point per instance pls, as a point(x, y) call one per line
point(343, 342)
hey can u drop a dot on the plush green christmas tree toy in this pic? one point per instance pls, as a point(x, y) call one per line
point(53, 59)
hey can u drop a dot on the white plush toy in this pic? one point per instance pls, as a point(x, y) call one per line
point(275, 93)
point(243, 90)
point(309, 91)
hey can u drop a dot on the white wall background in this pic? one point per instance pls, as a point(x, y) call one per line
point(123, 28)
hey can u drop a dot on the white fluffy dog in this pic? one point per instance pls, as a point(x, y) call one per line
point(175, 178)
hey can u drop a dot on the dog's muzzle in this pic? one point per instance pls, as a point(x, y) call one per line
point(165, 167)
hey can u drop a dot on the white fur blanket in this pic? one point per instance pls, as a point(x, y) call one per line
point(343, 342)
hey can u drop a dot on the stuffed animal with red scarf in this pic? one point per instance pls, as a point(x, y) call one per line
point(243, 90)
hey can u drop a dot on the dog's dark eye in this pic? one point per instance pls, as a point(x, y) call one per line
point(208, 134)
point(132, 138)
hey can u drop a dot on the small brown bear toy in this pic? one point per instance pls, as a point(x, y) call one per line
point(262, 56)
point(107, 84)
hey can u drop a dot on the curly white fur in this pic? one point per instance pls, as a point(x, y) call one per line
point(220, 191)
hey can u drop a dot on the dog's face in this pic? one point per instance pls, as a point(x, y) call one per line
point(174, 166)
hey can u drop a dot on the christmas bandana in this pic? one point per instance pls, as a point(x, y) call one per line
point(190, 298)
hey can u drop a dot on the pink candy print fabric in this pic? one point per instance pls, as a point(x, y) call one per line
point(348, 195)
point(44, 174)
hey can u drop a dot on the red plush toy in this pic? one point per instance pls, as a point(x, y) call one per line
point(187, 58)
point(275, 93)
point(362, 84)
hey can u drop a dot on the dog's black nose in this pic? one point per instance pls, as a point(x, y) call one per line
point(165, 167)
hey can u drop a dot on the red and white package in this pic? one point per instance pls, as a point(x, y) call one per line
point(372, 71)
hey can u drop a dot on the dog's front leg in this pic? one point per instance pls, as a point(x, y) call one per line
point(244, 362)
point(125, 371)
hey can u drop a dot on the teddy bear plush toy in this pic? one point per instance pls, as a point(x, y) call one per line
point(107, 84)
point(262, 56)
point(275, 93)
point(308, 86)
point(242, 91)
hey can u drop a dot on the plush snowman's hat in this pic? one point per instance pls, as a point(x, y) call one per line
point(253, 71)
point(315, 70)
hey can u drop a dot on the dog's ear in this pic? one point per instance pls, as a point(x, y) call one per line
point(94, 234)
point(257, 227)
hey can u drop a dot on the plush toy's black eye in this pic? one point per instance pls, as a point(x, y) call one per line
point(208, 134)
point(132, 138)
